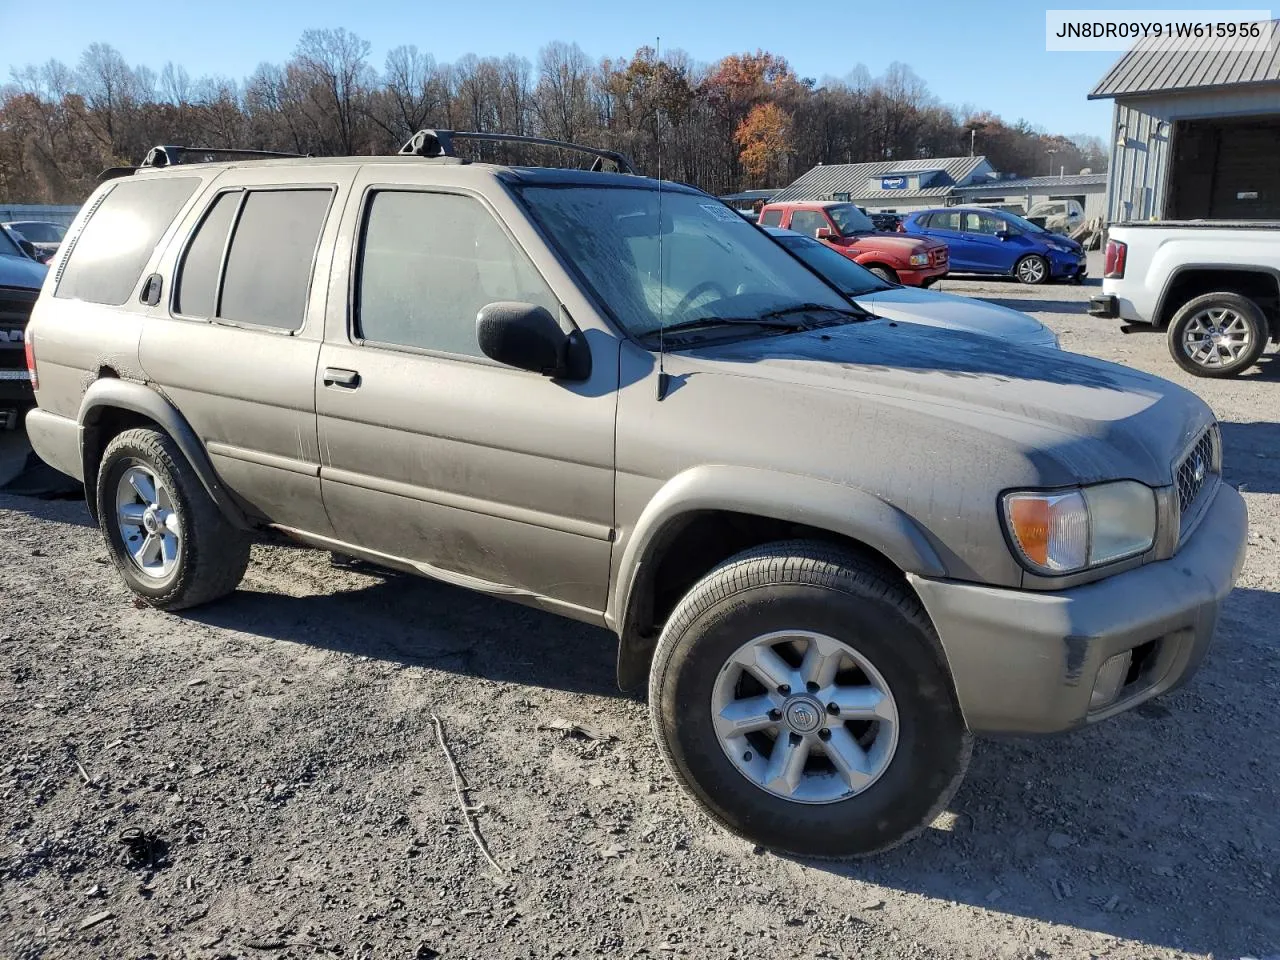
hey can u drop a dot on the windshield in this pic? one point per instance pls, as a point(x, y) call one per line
point(40, 232)
point(714, 264)
point(1026, 226)
point(852, 279)
point(850, 219)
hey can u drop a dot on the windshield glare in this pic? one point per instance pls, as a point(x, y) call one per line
point(850, 219)
point(852, 278)
point(714, 264)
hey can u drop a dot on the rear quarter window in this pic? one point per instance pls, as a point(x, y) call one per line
point(106, 259)
point(771, 218)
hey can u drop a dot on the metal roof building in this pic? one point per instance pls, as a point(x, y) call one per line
point(889, 185)
point(1195, 131)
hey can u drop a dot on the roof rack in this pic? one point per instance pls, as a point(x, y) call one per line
point(439, 143)
point(171, 155)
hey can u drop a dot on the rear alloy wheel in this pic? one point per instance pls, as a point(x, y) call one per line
point(1032, 269)
point(1217, 335)
point(800, 695)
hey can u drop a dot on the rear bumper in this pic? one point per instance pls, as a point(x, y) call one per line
point(56, 441)
point(1104, 306)
point(1027, 662)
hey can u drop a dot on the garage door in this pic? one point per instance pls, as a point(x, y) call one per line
point(1226, 170)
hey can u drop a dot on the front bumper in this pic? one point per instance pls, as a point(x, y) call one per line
point(1026, 661)
point(1068, 267)
point(921, 276)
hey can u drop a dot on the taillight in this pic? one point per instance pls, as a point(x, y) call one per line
point(1117, 253)
point(30, 341)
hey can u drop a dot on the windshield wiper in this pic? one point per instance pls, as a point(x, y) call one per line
point(815, 308)
point(768, 320)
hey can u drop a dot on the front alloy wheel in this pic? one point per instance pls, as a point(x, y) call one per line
point(1032, 269)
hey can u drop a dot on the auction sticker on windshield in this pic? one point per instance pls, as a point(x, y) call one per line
point(721, 212)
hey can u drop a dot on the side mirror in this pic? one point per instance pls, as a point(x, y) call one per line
point(824, 233)
point(527, 337)
point(1003, 234)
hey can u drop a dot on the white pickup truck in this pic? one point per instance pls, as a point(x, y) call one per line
point(1214, 285)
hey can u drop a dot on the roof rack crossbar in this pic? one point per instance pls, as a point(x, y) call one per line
point(167, 156)
point(439, 143)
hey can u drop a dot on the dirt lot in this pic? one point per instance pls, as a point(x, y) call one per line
point(281, 746)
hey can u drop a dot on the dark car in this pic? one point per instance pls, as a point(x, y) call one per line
point(45, 236)
point(20, 282)
point(984, 240)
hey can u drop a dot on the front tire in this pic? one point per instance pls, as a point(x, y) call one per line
point(1032, 269)
point(1217, 335)
point(885, 273)
point(799, 694)
point(165, 535)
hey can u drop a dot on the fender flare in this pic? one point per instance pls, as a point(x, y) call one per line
point(837, 507)
point(111, 393)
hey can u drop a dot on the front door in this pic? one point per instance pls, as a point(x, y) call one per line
point(482, 474)
point(988, 253)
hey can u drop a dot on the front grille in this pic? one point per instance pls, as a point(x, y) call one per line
point(15, 311)
point(939, 256)
point(1196, 469)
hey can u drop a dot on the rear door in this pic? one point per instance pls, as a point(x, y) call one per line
point(480, 474)
point(944, 225)
point(235, 343)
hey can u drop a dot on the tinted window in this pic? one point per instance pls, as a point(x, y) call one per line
point(429, 262)
point(198, 281)
point(272, 250)
point(38, 232)
point(771, 218)
point(107, 258)
point(983, 223)
point(808, 221)
point(945, 221)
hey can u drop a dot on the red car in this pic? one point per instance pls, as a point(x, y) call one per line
point(901, 258)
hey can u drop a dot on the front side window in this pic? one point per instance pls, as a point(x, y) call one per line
point(107, 258)
point(809, 222)
point(429, 262)
point(700, 260)
point(986, 223)
point(850, 219)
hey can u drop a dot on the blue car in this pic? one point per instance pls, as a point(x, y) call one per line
point(983, 240)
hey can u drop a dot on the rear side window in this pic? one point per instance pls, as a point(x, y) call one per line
point(107, 258)
point(945, 221)
point(268, 271)
point(771, 218)
point(197, 288)
point(428, 263)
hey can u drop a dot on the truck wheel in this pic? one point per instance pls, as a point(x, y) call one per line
point(799, 694)
point(1217, 335)
point(885, 273)
point(164, 533)
point(1032, 269)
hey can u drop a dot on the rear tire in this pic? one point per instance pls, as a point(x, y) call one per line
point(165, 535)
point(887, 661)
point(885, 273)
point(1032, 269)
point(1217, 335)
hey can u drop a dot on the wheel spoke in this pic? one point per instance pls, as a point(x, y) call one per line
point(765, 665)
point(862, 703)
point(131, 514)
point(163, 499)
point(745, 716)
point(848, 758)
point(147, 551)
point(786, 763)
point(143, 486)
point(821, 661)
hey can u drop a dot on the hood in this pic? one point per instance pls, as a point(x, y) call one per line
point(902, 244)
point(1062, 240)
point(21, 272)
point(1079, 419)
point(935, 309)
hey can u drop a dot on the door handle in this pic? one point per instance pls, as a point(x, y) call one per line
point(337, 377)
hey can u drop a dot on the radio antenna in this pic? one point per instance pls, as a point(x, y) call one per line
point(663, 379)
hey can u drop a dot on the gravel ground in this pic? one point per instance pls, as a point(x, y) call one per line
point(281, 747)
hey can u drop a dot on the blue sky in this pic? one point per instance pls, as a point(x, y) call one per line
point(987, 55)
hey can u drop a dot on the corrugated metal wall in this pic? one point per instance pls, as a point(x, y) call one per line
point(1143, 129)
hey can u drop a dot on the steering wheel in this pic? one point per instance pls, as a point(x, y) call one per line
point(706, 286)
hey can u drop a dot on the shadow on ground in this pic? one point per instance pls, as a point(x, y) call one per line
point(1076, 307)
point(1250, 452)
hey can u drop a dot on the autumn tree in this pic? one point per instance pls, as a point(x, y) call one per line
point(764, 138)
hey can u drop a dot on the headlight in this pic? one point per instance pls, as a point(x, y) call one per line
point(1066, 531)
point(919, 259)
